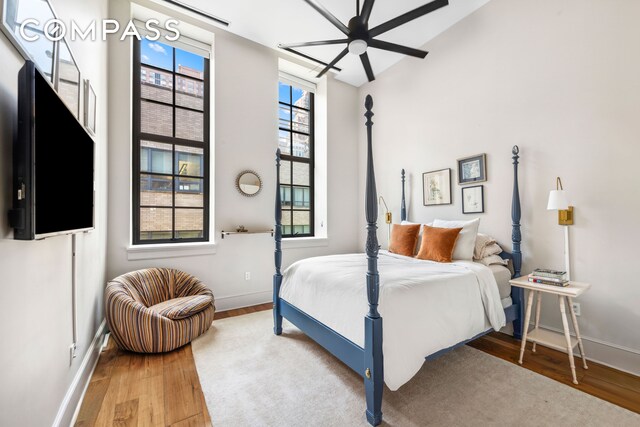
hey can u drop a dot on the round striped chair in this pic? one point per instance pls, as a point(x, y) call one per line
point(157, 309)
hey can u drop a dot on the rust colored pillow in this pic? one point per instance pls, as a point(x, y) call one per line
point(438, 243)
point(404, 239)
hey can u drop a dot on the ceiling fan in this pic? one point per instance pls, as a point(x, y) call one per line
point(360, 37)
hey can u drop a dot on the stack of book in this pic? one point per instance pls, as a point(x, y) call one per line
point(549, 277)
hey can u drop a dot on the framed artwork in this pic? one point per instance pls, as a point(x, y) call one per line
point(436, 187)
point(68, 79)
point(472, 169)
point(89, 107)
point(473, 199)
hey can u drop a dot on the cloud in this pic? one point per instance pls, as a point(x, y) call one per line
point(145, 58)
point(157, 48)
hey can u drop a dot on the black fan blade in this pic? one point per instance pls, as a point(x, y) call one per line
point(366, 11)
point(367, 66)
point(318, 43)
point(334, 62)
point(379, 44)
point(409, 16)
point(324, 12)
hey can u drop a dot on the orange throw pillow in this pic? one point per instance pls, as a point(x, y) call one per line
point(404, 239)
point(438, 243)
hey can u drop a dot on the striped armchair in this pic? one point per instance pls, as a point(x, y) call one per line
point(157, 309)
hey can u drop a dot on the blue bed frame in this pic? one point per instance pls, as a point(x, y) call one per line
point(367, 361)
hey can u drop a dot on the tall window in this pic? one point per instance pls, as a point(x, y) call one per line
point(171, 145)
point(295, 141)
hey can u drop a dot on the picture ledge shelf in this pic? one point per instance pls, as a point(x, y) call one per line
point(228, 233)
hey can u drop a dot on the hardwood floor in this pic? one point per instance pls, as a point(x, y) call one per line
point(130, 389)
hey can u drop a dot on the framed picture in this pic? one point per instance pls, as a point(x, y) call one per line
point(472, 169)
point(473, 199)
point(89, 107)
point(436, 187)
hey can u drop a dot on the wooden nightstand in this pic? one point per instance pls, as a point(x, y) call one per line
point(549, 338)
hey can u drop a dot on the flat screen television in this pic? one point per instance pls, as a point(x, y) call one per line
point(53, 164)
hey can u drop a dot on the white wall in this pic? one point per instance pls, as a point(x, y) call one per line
point(245, 137)
point(560, 79)
point(35, 320)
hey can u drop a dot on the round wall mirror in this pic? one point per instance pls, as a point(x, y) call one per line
point(248, 183)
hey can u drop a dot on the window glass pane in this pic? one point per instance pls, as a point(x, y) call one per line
point(301, 219)
point(284, 141)
point(284, 93)
point(68, 79)
point(189, 125)
point(300, 120)
point(189, 93)
point(301, 98)
point(286, 217)
point(300, 173)
point(285, 172)
point(160, 161)
point(189, 223)
point(301, 199)
point(301, 146)
point(285, 196)
point(189, 64)
point(284, 115)
point(144, 159)
point(156, 54)
point(147, 150)
point(156, 119)
point(155, 223)
point(190, 192)
point(189, 161)
point(156, 85)
point(156, 190)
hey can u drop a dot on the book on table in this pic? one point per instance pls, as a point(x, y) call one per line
point(547, 280)
point(551, 274)
point(548, 273)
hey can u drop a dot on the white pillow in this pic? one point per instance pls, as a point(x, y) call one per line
point(466, 242)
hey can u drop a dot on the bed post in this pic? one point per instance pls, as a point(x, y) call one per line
point(403, 204)
point(517, 294)
point(277, 277)
point(373, 375)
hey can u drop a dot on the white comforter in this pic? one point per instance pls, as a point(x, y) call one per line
point(425, 306)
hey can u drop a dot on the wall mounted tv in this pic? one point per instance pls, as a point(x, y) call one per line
point(53, 164)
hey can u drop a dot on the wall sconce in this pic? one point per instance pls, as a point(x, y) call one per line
point(387, 218)
point(387, 214)
point(558, 202)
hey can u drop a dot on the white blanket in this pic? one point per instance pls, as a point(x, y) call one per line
point(425, 306)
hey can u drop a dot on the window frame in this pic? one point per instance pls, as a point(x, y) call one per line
point(292, 158)
point(139, 136)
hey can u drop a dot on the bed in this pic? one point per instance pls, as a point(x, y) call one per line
point(429, 308)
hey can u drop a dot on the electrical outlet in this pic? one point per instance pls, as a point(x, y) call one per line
point(576, 308)
point(247, 275)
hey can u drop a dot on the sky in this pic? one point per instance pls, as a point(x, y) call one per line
point(161, 55)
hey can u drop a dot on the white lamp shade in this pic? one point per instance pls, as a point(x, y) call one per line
point(557, 201)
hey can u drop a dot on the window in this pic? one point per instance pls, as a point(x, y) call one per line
point(296, 125)
point(171, 145)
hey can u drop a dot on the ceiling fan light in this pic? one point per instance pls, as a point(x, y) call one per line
point(358, 47)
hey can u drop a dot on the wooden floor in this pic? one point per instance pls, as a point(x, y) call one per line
point(129, 389)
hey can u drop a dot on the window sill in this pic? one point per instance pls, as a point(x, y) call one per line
point(170, 250)
point(304, 242)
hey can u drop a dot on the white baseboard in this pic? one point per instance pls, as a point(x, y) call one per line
point(609, 354)
point(70, 405)
point(243, 300)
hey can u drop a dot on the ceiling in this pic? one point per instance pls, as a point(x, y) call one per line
point(270, 22)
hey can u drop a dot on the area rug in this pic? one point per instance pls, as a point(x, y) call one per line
point(250, 377)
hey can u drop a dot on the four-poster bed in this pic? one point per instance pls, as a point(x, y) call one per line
point(331, 284)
